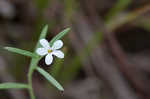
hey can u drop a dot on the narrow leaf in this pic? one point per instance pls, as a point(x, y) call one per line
point(42, 35)
point(13, 85)
point(20, 51)
point(50, 78)
point(35, 60)
point(59, 36)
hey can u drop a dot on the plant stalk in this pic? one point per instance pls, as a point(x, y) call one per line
point(30, 84)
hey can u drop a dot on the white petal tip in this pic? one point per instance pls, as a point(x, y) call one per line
point(48, 59)
point(48, 64)
point(57, 45)
point(58, 53)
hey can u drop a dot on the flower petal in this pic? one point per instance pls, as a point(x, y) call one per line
point(58, 53)
point(48, 59)
point(41, 51)
point(44, 43)
point(57, 45)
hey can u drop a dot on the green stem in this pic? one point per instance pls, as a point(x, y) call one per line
point(30, 84)
point(32, 67)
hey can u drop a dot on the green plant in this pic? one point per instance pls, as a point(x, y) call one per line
point(33, 65)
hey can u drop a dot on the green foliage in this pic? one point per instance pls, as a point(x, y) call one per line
point(13, 85)
point(59, 36)
point(42, 35)
point(50, 78)
point(34, 61)
point(21, 52)
point(33, 64)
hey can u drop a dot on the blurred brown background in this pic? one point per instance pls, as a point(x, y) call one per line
point(107, 50)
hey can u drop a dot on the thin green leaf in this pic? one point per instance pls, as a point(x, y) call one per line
point(50, 78)
point(13, 85)
point(59, 36)
point(34, 61)
point(43, 35)
point(20, 51)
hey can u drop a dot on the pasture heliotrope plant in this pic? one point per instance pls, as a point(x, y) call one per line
point(48, 49)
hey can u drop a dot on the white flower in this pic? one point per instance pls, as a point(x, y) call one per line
point(49, 51)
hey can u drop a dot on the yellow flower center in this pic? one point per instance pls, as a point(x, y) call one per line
point(49, 51)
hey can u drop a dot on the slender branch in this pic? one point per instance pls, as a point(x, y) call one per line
point(30, 84)
point(32, 67)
